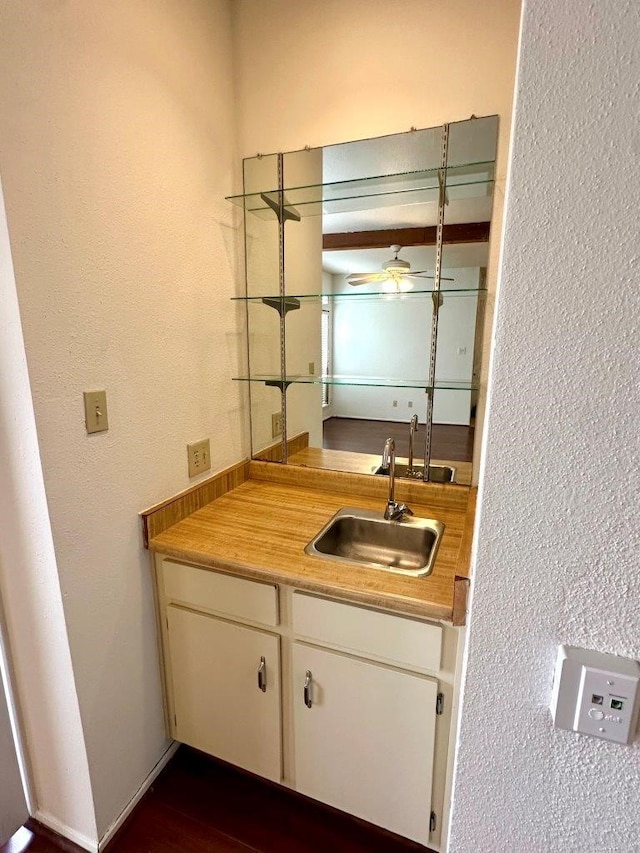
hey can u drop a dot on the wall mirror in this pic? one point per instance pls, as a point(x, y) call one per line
point(365, 292)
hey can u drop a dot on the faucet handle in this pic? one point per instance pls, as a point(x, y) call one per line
point(396, 511)
point(402, 510)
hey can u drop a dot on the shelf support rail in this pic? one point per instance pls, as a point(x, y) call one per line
point(437, 298)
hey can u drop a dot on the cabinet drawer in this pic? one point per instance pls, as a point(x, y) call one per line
point(224, 594)
point(396, 639)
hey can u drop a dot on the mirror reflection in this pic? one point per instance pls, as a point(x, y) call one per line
point(366, 271)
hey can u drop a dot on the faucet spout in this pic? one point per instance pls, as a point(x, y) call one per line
point(394, 511)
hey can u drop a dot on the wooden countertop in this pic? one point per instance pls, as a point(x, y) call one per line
point(259, 529)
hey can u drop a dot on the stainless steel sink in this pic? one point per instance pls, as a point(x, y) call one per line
point(362, 536)
point(437, 473)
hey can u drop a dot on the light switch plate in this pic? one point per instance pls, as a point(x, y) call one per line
point(95, 411)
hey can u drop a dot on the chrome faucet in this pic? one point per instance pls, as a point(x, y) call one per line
point(413, 426)
point(394, 511)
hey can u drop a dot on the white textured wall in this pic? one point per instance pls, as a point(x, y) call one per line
point(558, 539)
point(31, 602)
point(116, 152)
point(327, 71)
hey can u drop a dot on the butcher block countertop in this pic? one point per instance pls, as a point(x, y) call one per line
point(259, 526)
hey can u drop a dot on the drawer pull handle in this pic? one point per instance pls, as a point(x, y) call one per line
point(308, 685)
point(262, 675)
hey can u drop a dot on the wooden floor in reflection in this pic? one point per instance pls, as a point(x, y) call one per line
point(448, 441)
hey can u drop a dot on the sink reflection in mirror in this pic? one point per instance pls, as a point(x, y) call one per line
point(371, 228)
point(437, 473)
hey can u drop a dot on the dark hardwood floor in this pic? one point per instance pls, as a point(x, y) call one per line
point(198, 805)
point(450, 442)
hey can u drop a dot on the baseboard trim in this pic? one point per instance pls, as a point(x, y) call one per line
point(61, 829)
point(142, 790)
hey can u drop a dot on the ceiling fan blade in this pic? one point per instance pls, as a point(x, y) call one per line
point(365, 278)
point(419, 275)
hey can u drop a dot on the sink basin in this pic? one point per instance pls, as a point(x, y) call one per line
point(362, 536)
point(437, 473)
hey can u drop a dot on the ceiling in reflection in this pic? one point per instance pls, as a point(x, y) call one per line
point(420, 258)
point(396, 154)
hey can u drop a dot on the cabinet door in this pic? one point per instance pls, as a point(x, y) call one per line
point(366, 743)
point(219, 704)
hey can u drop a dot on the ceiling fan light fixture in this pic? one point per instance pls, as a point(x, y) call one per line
point(396, 284)
point(394, 277)
point(396, 265)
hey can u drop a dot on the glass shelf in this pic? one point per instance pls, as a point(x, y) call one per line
point(278, 381)
point(366, 193)
point(273, 301)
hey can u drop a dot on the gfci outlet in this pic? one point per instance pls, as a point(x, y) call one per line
point(199, 457)
point(276, 424)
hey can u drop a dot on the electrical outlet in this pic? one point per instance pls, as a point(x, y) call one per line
point(410, 404)
point(276, 424)
point(312, 368)
point(199, 457)
point(395, 404)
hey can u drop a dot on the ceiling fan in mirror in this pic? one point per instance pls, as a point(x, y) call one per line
point(395, 275)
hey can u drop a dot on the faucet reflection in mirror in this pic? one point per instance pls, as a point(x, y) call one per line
point(341, 363)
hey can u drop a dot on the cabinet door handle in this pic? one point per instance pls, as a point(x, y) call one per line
point(308, 686)
point(262, 675)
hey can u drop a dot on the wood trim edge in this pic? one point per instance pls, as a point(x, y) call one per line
point(466, 546)
point(157, 518)
point(460, 601)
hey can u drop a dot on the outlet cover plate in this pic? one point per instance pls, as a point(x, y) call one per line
point(276, 424)
point(199, 457)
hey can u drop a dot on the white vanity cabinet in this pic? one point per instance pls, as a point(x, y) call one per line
point(364, 738)
point(225, 681)
point(336, 700)
point(365, 729)
point(222, 678)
